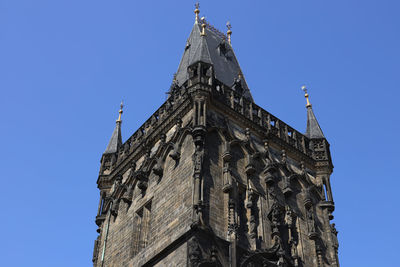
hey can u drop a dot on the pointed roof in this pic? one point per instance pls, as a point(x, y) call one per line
point(116, 137)
point(313, 128)
point(115, 141)
point(201, 52)
point(212, 48)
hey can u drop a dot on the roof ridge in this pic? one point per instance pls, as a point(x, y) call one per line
point(215, 30)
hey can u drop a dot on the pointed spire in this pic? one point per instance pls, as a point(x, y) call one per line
point(197, 11)
point(313, 129)
point(308, 105)
point(116, 138)
point(229, 32)
point(120, 112)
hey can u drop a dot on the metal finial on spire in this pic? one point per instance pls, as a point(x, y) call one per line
point(304, 88)
point(203, 26)
point(120, 112)
point(197, 11)
point(229, 32)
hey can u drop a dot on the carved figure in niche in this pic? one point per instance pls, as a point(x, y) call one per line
point(253, 226)
point(248, 136)
point(227, 178)
point(198, 158)
point(293, 249)
point(251, 201)
point(289, 217)
point(311, 221)
point(284, 158)
point(232, 225)
point(302, 167)
point(275, 216)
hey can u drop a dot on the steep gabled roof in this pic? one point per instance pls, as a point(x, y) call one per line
point(212, 47)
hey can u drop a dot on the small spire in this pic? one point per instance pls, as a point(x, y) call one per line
point(313, 129)
point(229, 32)
point(116, 138)
point(197, 11)
point(120, 112)
point(203, 26)
point(304, 88)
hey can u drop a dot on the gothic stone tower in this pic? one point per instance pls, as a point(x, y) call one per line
point(212, 179)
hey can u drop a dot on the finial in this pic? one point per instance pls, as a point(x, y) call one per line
point(203, 26)
point(240, 74)
point(304, 88)
point(229, 32)
point(197, 11)
point(120, 112)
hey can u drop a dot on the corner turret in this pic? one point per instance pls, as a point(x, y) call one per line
point(111, 153)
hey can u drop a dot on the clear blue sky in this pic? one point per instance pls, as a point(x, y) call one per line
point(65, 65)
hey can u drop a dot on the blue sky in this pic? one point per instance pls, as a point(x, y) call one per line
point(66, 65)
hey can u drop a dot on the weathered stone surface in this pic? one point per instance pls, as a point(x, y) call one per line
point(211, 179)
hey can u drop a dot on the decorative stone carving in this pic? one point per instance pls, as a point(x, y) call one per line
point(312, 234)
point(275, 215)
point(199, 258)
point(289, 217)
point(158, 168)
point(334, 233)
point(232, 224)
point(251, 204)
point(198, 159)
point(287, 190)
point(284, 158)
point(115, 207)
point(262, 258)
point(307, 198)
point(142, 183)
point(194, 252)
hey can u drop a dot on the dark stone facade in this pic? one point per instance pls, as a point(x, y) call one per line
point(212, 179)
